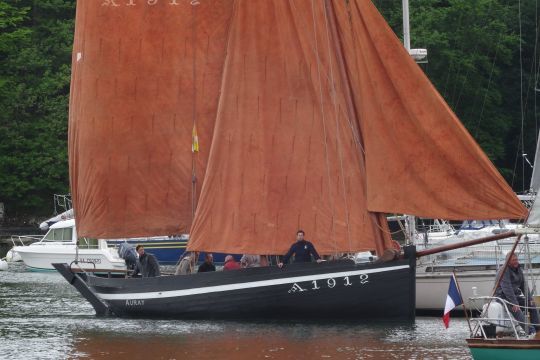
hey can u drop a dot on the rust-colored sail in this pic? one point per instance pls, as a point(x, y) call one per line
point(420, 158)
point(286, 152)
point(309, 114)
point(324, 123)
point(144, 73)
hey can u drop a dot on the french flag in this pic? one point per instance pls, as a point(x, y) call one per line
point(453, 299)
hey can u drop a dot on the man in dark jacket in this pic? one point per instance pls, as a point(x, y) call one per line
point(302, 250)
point(512, 288)
point(208, 264)
point(147, 264)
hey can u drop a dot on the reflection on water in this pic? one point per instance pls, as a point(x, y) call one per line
point(43, 317)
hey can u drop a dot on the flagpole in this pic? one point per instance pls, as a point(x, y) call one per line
point(464, 307)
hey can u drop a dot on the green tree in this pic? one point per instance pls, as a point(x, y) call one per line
point(35, 52)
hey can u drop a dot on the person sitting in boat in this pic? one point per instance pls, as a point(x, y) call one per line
point(208, 264)
point(230, 263)
point(512, 288)
point(147, 264)
point(185, 264)
point(249, 261)
point(302, 250)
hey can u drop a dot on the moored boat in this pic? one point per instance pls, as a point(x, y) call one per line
point(343, 288)
point(300, 127)
point(61, 244)
point(501, 331)
point(504, 349)
point(496, 335)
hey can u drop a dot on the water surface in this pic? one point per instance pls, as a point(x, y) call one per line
point(43, 317)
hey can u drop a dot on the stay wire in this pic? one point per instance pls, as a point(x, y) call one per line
point(327, 77)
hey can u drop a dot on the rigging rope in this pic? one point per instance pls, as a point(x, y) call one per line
point(466, 77)
point(338, 133)
point(194, 111)
point(355, 134)
point(323, 122)
point(477, 125)
point(521, 96)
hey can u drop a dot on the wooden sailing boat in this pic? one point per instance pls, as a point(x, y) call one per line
point(305, 112)
point(494, 334)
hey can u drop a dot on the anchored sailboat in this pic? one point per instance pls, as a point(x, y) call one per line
point(304, 112)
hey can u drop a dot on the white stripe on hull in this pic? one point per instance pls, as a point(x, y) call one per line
point(240, 286)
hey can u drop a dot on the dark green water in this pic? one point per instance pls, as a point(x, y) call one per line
point(43, 317)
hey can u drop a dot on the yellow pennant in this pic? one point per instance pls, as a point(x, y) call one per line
point(195, 140)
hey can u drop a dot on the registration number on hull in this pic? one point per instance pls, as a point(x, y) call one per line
point(330, 283)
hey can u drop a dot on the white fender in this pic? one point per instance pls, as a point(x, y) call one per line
point(13, 256)
point(498, 316)
point(3, 265)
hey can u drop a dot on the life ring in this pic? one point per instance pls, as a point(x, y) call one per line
point(396, 245)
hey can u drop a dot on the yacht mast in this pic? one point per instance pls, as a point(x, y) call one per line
point(406, 28)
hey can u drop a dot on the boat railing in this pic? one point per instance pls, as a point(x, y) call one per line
point(23, 240)
point(438, 227)
point(62, 202)
point(75, 267)
point(485, 254)
point(497, 319)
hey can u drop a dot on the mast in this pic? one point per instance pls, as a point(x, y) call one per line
point(410, 222)
point(406, 29)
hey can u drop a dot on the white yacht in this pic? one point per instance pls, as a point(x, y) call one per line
point(59, 245)
point(475, 267)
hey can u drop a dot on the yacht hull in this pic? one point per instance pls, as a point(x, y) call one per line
point(503, 349)
point(338, 289)
point(39, 257)
point(432, 287)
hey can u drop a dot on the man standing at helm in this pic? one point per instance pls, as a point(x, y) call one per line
point(513, 288)
point(302, 250)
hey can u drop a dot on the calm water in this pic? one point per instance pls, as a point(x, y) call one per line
point(43, 317)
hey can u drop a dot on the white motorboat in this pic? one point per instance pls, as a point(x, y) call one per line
point(61, 244)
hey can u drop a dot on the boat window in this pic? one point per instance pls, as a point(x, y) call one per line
point(61, 234)
point(67, 234)
point(89, 243)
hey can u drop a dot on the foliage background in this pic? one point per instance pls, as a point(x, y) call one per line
point(35, 55)
point(476, 49)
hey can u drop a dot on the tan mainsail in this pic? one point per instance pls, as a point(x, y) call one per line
point(302, 78)
point(138, 88)
point(322, 122)
point(284, 153)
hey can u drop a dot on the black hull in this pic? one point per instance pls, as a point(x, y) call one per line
point(303, 291)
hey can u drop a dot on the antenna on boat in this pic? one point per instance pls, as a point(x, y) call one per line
point(419, 55)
